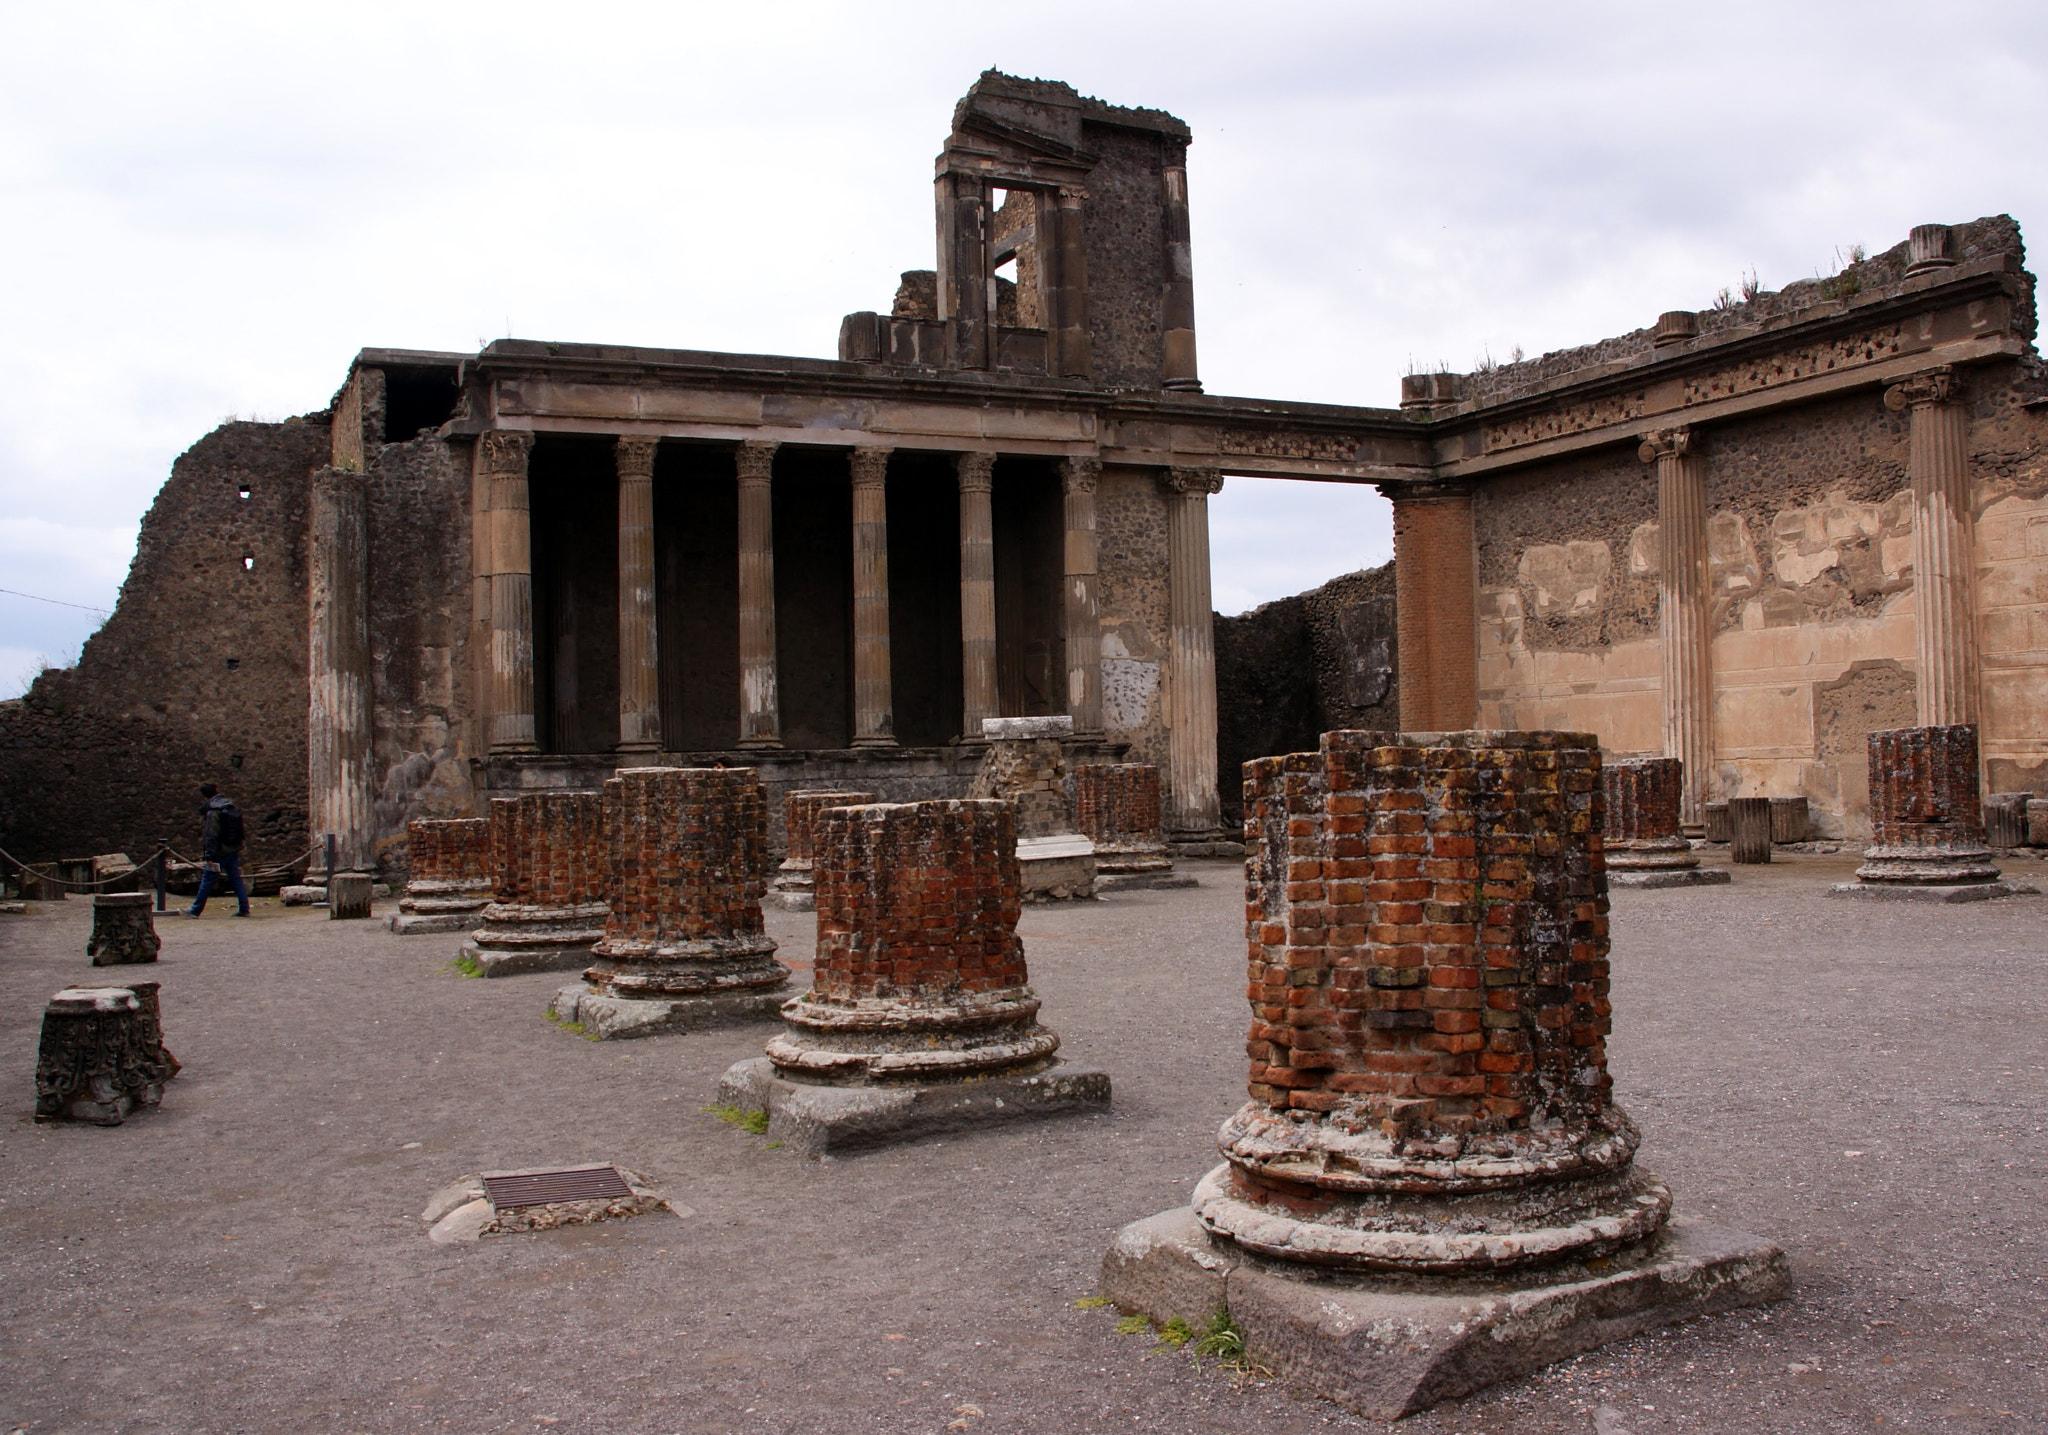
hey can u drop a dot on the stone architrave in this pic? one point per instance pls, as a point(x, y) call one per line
point(449, 875)
point(101, 1055)
point(920, 1017)
point(1644, 843)
point(550, 885)
point(1431, 1188)
point(1927, 829)
point(793, 888)
point(123, 932)
point(1116, 806)
point(1026, 766)
point(684, 947)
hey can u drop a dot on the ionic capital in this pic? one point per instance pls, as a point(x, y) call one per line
point(976, 472)
point(505, 451)
point(1080, 475)
point(635, 457)
point(1205, 481)
point(870, 467)
point(1930, 386)
point(1665, 443)
point(755, 461)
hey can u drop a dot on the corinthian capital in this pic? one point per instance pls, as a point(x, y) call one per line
point(1930, 386)
point(976, 471)
point(504, 451)
point(635, 457)
point(1665, 443)
point(1080, 475)
point(756, 461)
point(870, 467)
point(1204, 481)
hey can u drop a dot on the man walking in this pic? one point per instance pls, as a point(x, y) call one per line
point(220, 850)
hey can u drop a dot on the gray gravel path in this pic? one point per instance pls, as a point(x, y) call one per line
point(1863, 1084)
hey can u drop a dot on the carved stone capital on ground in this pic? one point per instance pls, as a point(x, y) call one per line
point(976, 471)
point(1665, 443)
point(635, 457)
point(870, 466)
point(1931, 386)
point(1080, 475)
point(505, 451)
point(755, 461)
point(1203, 481)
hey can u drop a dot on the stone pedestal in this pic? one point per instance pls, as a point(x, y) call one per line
point(1026, 766)
point(550, 884)
point(348, 896)
point(1116, 806)
point(123, 931)
point(2005, 820)
point(1714, 821)
point(1791, 820)
point(450, 875)
point(102, 1054)
point(1431, 1148)
point(1644, 843)
point(1927, 831)
point(793, 888)
point(1749, 829)
point(920, 1015)
point(683, 947)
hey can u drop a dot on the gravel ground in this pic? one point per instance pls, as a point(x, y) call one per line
point(1862, 1083)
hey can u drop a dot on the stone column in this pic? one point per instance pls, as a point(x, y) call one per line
point(874, 722)
point(760, 707)
point(502, 456)
point(1192, 806)
point(1177, 301)
point(1685, 612)
point(1067, 250)
point(1943, 604)
point(1436, 608)
point(339, 792)
point(1082, 625)
point(963, 273)
point(639, 664)
point(977, 593)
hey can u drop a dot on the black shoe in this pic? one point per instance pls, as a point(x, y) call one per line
point(243, 913)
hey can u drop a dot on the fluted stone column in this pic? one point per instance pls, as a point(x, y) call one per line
point(1082, 625)
point(760, 707)
point(1066, 246)
point(1684, 612)
point(1943, 604)
point(1192, 806)
point(1177, 302)
point(338, 787)
point(874, 721)
point(639, 665)
point(503, 454)
point(1436, 608)
point(977, 593)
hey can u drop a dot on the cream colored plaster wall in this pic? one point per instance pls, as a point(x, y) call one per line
point(2012, 626)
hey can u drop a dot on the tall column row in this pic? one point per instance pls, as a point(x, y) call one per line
point(1684, 613)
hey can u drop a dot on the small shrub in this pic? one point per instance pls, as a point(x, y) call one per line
point(1222, 1339)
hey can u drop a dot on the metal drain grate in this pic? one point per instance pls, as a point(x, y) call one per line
point(510, 1190)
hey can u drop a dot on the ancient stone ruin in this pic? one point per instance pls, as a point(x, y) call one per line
point(794, 890)
point(123, 931)
point(102, 1054)
point(1927, 826)
point(1025, 765)
point(551, 878)
point(920, 1017)
point(1116, 806)
point(683, 946)
point(1645, 846)
point(450, 878)
point(1431, 1187)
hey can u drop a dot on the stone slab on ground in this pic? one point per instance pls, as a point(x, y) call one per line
point(415, 924)
point(518, 961)
point(1143, 882)
point(1933, 891)
point(820, 1120)
point(1389, 1347)
point(1671, 877)
point(303, 896)
point(608, 1018)
point(1205, 849)
point(791, 901)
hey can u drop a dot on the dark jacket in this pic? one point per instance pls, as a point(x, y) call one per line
point(211, 847)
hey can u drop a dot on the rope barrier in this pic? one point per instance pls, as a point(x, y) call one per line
point(147, 863)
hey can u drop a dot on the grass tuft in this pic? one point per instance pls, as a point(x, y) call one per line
point(1093, 1302)
point(1133, 1325)
point(754, 1122)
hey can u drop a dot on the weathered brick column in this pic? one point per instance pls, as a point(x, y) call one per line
point(449, 874)
point(549, 884)
point(1436, 607)
point(1116, 805)
point(793, 879)
point(687, 852)
point(1645, 845)
point(1926, 824)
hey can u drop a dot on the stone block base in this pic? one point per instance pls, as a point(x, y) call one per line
point(805, 901)
point(608, 1018)
point(1206, 849)
point(830, 1120)
point(511, 961)
point(1142, 881)
point(1056, 869)
point(1386, 1347)
point(1933, 892)
point(411, 924)
point(1671, 877)
point(302, 896)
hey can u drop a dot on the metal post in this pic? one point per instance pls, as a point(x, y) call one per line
point(163, 870)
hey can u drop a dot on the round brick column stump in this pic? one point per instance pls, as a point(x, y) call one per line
point(449, 877)
point(793, 888)
point(101, 1054)
point(1642, 822)
point(1926, 820)
point(549, 878)
point(123, 931)
point(1117, 807)
point(1749, 829)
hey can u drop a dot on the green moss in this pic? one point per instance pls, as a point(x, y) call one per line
point(1133, 1325)
point(1176, 1333)
point(755, 1122)
point(1092, 1302)
point(466, 967)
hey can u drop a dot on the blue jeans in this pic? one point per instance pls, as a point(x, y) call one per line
point(231, 870)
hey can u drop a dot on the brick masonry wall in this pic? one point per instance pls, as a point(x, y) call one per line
point(800, 812)
point(1923, 788)
point(1117, 804)
point(1427, 930)
point(449, 849)
point(685, 849)
point(547, 849)
point(917, 901)
point(1641, 796)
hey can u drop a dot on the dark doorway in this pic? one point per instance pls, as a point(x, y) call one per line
point(697, 596)
point(573, 492)
point(814, 597)
point(1030, 531)
point(924, 598)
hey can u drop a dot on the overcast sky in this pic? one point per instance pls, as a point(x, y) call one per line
point(209, 208)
